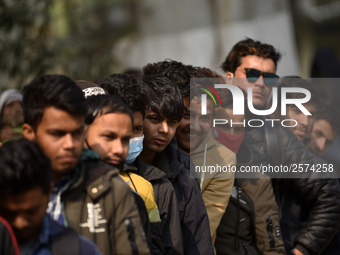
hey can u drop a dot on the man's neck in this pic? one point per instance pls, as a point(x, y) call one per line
point(56, 176)
point(148, 157)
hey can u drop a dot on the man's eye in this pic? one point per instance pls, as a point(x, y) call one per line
point(138, 129)
point(108, 137)
point(57, 134)
point(172, 123)
point(318, 134)
point(295, 109)
point(155, 120)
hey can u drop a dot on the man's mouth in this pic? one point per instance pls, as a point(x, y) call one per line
point(258, 94)
point(68, 158)
point(300, 132)
point(160, 141)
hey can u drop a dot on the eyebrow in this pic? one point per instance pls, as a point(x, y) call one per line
point(154, 115)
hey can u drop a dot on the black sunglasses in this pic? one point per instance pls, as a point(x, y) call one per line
point(253, 75)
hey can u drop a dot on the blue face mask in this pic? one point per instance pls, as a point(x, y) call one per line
point(135, 148)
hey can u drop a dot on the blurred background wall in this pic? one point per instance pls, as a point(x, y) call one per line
point(87, 39)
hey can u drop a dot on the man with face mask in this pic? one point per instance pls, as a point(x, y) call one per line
point(252, 207)
point(108, 132)
point(132, 92)
point(87, 194)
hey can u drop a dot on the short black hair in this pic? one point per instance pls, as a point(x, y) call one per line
point(104, 104)
point(249, 47)
point(175, 71)
point(57, 91)
point(202, 72)
point(164, 97)
point(128, 88)
point(23, 167)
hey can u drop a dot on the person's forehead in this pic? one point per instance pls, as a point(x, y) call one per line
point(137, 117)
point(56, 118)
point(257, 62)
point(114, 119)
point(150, 112)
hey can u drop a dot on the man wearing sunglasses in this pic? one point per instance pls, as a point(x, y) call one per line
point(309, 205)
point(253, 65)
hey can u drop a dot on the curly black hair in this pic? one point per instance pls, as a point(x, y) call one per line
point(249, 47)
point(129, 88)
point(175, 71)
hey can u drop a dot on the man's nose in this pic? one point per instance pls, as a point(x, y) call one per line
point(321, 143)
point(260, 82)
point(19, 222)
point(118, 147)
point(68, 141)
point(303, 120)
point(164, 128)
point(194, 124)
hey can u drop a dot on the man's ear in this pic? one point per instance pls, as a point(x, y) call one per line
point(28, 132)
point(229, 77)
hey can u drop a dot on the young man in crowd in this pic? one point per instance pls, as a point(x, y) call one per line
point(193, 134)
point(307, 226)
point(133, 92)
point(303, 124)
point(196, 138)
point(108, 132)
point(325, 129)
point(25, 188)
point(163, 114)
point(87, 194)
point(251, 223)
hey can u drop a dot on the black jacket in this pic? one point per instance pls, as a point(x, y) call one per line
point(310, 205)
point(193, 215)
point(166, 201)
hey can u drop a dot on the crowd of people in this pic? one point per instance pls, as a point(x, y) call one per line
point(119, 165)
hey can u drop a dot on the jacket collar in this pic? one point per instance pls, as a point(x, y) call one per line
point(94, 174)
point(149, 172)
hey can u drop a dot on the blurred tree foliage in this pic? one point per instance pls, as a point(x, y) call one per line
point(24, 44)
point(71, 37)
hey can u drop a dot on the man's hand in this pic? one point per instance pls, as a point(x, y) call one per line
point(297, 252)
